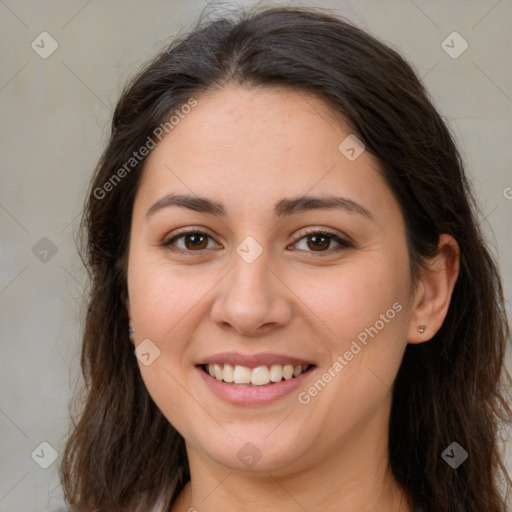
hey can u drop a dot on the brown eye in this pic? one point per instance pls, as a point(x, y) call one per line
point(196, 241)
point(187, 242)
point(321, 241)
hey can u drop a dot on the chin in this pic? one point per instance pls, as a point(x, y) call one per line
point(256, 455)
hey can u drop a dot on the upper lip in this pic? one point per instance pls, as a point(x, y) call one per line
point(252, 360)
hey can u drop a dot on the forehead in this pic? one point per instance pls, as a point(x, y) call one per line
point(257, 144)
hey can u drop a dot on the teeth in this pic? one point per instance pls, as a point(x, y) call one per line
point(217, 369)
point(276, 373)
point(242, 375)
point(259, 376)
point(228, 373)
point(288, 371)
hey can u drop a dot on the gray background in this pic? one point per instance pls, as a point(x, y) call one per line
point(55, 116)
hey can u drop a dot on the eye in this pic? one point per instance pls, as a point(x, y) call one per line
point(193, 241)
point(319, 240)
point(316, 240)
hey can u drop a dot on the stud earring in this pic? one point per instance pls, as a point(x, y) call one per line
point(422, 328)
point(131, 330)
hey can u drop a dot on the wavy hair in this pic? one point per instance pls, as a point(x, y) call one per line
point(122, 453)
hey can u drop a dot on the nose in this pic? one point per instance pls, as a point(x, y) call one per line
point(252, 299)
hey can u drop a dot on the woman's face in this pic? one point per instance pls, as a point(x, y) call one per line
point(254, 174)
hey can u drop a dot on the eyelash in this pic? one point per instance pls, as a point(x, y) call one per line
point(345, 244)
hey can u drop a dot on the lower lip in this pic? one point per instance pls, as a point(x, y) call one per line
point(253, 395)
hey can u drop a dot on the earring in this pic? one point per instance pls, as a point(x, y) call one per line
point(422, 328)
point(131, 330)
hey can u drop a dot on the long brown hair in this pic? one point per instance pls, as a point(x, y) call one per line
point(122, 453)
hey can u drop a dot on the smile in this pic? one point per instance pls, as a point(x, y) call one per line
point(258, 376)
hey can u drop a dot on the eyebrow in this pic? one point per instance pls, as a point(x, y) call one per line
point(283, 208)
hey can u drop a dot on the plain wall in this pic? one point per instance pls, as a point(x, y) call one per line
point(55, 116)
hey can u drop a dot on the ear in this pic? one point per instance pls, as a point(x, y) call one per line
point(434, 290)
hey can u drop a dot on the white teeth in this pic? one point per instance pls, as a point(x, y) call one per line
point(217, 368)
point(276, 373)
point(228, 373)
point(242, 375)
point(288, 371)
point(259, 376)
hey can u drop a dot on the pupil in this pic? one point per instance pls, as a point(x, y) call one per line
point(320, 245)
point(195, 239)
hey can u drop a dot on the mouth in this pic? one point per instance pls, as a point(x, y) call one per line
point(247, 380)
point(245, 376)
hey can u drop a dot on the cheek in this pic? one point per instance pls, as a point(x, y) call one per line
point(165, 302)
point(161, 296)
point(353, 297)
point(363, 324)
point(361, 314)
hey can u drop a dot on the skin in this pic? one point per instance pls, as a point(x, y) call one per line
point(248, 149)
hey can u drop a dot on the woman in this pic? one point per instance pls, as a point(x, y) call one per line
point(292, 306)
